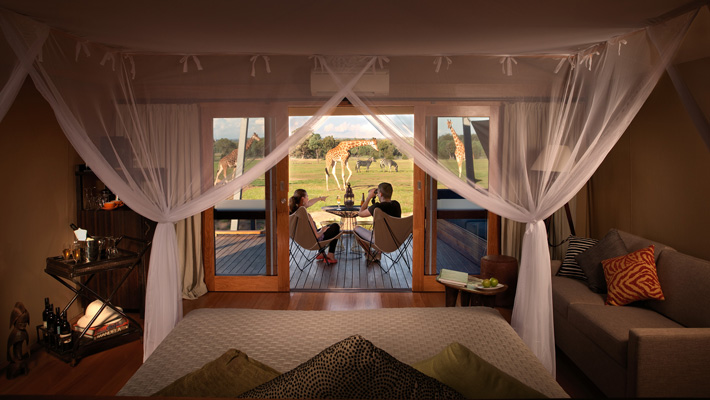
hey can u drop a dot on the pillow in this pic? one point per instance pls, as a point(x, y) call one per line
point(632, 277)
point(569, 267)
point(230, 375)
point(590, 260)
point(472, 376)
point(353, 368)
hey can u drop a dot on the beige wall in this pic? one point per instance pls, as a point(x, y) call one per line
point(38, 205)
point(656, 181)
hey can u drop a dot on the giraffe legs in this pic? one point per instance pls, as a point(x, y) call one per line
point(335, 166)
point(460, 165)
point(345, 181)
point(221, 169)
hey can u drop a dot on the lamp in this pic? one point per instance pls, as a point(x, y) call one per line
point(349, 196)
point(555, 158)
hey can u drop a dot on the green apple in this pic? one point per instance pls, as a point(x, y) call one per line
point(494, 282)
point(486, 283)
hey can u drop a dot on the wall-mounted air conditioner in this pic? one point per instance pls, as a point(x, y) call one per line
point(371, 84)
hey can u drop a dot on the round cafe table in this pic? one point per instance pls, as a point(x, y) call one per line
point(348, 222)
point(470, 295)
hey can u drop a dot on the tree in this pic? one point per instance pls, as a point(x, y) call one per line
point(224, 146)
point(315, 145)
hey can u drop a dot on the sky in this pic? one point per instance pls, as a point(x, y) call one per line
point(338, 126)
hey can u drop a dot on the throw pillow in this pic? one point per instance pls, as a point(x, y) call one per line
point(590, 260)
point(472, 376)
point(230, 375)
point(353, 368)
point(570, 268)
point(632, 277)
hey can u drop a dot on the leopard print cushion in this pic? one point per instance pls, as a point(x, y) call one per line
point(353, 368)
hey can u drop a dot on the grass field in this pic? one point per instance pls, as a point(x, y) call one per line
point(309, 174)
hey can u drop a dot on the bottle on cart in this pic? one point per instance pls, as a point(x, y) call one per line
point(65, 338)
point(48, 335)
point(57, 327)
point(45, 313)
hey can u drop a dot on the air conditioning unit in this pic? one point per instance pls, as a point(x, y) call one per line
point(375, 83)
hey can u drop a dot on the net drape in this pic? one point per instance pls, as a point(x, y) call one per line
point(134, 119)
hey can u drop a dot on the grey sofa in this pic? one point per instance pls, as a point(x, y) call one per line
point(650, 348)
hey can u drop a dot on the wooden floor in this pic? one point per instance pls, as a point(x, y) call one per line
point(105, 373)
point(245, 255)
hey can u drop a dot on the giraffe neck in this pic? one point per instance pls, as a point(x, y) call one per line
point(456, 137)
point(249, 142)
point(353, 143)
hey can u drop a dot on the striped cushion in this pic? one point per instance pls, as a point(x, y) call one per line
point(632, 277)
point(570, 268)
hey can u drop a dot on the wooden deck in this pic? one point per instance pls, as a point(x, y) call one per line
point(245, 254)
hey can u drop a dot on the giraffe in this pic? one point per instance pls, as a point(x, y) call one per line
point(341, 153)
point(230, 160)
point(460, 153)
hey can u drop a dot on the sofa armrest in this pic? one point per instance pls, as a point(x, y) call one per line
point(555, 266)
point(669, 362)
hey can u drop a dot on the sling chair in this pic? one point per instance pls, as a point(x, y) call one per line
point(303, 239)
point(389, 235)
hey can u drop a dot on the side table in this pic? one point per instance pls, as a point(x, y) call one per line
point(471, 296)
point(505, 269)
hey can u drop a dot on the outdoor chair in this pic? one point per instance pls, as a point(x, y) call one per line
point(391, 236)
point(303, 240)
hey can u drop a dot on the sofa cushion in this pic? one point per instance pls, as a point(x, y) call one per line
point(570, 268)
point(634, 243)
point(566, 291)
point(609, 326)
point(590, 260)
point(632, 277)
point(685, 281)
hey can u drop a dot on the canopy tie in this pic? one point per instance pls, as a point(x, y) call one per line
point(569, 59)
point(109, 56)
point(133, 65)
point(82, 45)
point(507, 64)
point(317, 61)
point(184, 60)
point(587, 59)
point(618, 41)
point(381, 60)
point(439, 60)
point(253, 63)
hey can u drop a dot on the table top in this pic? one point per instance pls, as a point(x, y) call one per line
point(470, 288)
point(240, 205)
point(69, 268)
point(342, 211)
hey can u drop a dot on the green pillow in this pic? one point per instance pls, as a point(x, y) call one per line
point(472, 376)
point(230, 375)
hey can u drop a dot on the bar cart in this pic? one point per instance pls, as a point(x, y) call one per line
point(77, 276)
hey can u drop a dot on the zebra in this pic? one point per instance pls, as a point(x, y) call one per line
point(364, 163)
point(389, 164)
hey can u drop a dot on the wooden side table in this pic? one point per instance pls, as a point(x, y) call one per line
point(505, 269)
point(471, 296)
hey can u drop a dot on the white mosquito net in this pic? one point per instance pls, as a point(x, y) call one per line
point(135, 119)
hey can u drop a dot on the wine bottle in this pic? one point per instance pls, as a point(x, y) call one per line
point(65, 337)
point(57, 327)
point(45, 313)
point(50, 326)
point(363, 200)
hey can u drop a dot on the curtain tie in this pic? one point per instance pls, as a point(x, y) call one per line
point(109, 56)
point(619, 42)
point(184, 60)
point(507, 64)
point(439, 60)
point(587, 59)
point(317, 62)
point(569, 59)
point(253, 63)
point(81, 45)
point(133, 65)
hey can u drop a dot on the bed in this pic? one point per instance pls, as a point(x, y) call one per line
point(284, 339)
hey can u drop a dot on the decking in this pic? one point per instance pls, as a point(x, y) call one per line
point(245, 254)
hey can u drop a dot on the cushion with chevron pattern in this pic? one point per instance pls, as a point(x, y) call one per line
point(632, 277)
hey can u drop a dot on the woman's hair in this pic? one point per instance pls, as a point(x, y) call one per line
point(295, 201)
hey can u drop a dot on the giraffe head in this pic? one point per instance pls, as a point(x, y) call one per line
point(255, 137)
point(373, 143)
point(448, 123)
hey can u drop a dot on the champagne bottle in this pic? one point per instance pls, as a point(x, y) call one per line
point(65, 337)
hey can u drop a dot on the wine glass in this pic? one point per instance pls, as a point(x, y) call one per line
point(337, 199)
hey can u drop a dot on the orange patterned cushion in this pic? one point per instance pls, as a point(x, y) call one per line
point(632, 278)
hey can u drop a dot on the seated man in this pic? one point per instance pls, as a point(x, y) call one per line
point(384, 195)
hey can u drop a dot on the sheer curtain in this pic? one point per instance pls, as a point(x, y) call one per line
point(133, 118)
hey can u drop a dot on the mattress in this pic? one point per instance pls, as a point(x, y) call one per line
point(283, 339)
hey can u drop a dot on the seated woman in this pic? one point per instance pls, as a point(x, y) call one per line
point(300, 199)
